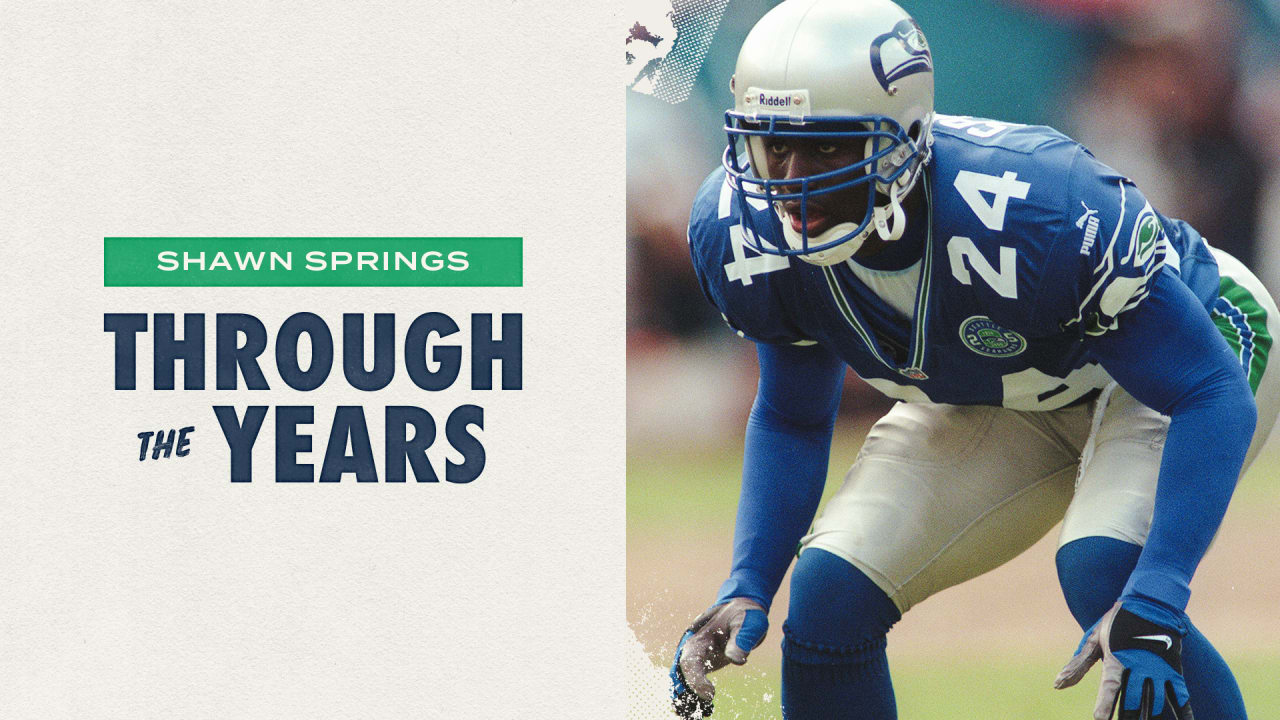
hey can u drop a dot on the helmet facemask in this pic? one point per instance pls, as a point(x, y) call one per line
point(891, 162)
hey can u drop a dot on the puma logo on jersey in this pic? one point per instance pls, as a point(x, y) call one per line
point(1088, 221)
point(1168, 641)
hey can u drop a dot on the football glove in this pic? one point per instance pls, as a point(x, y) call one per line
point(1140, 645)
point(724, 634)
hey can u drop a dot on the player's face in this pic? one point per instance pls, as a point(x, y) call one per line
point(792, 158)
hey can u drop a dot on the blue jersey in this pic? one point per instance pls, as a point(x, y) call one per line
point(1032, 246)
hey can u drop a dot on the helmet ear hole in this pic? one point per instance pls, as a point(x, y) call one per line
point(914, 132)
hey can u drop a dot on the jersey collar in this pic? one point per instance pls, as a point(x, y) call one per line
point(913, 367)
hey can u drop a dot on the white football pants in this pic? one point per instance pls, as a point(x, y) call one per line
point(940, 494)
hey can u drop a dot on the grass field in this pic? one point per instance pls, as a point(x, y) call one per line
point(969, 688)
point(986, 649)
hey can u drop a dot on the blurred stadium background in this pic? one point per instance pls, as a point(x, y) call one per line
point(1181, 95)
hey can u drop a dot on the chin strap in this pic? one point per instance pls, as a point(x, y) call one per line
point(881, 216)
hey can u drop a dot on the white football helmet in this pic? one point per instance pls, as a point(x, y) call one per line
point(835, 69)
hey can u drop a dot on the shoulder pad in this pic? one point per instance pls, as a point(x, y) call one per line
point(749, 288)
point(1105, 259)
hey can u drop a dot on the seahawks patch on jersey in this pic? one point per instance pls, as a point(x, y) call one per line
point(987, 338)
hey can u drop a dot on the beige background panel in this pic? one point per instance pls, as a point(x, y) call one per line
point(159, 589)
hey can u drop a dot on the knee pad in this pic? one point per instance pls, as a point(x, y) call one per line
point(1092, 572)
point(837, 615)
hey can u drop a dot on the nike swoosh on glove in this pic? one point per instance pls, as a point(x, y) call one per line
point(1140, 645)
point(725, 633)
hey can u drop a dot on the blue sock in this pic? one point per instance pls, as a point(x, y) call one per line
point(1093, 571)
point(834, 665)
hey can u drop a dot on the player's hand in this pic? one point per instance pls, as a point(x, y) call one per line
point(1141, 652)
point(723, 634)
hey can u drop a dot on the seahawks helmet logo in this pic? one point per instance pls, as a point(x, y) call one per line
point(900, 52)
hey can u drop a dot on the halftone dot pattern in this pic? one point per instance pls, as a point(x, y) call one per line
point(648, 687)
point(696, 22)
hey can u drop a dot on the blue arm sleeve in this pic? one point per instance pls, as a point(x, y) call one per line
point(788, 444)
point(1170, 356)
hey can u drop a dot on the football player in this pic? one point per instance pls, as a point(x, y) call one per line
point(1062, 351)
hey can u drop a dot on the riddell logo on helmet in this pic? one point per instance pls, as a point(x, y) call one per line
point(777, 102)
